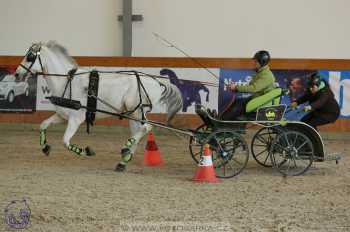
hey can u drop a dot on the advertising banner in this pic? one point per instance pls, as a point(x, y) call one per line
point(339, 82)
point(197, 86)
point(294, 80)
point(17, 94)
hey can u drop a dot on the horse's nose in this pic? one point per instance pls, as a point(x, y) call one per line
point(16, 75)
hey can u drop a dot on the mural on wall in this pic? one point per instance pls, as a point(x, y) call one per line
point(190, 90)
point(17, 94)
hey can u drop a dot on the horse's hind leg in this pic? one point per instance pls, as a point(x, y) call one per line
point(137, 132)
point(54, 119)
point(73, 125)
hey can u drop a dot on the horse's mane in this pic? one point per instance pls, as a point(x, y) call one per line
point(59, 49)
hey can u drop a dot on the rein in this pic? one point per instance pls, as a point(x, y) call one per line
point(93, 93)
point(131, 73)
point(34, 53)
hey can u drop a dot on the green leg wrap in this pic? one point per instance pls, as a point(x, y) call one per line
point(126, 158)
point(42, 137)
point(126, 152)
point(129, 143)
point(74, 148)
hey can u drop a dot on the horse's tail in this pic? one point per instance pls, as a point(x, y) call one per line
point(172, 98)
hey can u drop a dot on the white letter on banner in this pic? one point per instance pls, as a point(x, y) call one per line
point(335, 84)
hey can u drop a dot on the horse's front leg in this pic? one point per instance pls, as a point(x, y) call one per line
point(73, 125)
point(137, 132)
point(54, 119)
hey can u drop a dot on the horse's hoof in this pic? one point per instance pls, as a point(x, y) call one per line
point(120, 167)
point(89, 151)
point(46, 149)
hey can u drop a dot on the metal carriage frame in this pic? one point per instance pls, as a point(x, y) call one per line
point(290, 147)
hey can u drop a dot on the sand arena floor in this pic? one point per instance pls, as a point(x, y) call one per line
point(69, 193)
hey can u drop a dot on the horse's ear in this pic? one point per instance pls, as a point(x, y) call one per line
point(49, 44)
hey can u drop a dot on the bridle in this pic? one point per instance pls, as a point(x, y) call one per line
point(31, 56)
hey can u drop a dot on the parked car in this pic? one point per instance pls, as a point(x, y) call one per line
point(10, 87)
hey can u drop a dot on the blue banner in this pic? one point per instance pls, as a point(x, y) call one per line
point(339, 82)
point(294, 80)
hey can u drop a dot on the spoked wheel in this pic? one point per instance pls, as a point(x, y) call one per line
point(292, 153)
point(195, 144)
point(230, 153)
point(261, 144)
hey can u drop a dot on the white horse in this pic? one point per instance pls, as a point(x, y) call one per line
point(119, 90)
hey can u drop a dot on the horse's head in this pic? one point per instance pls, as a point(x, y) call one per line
point(45, 58)
point(31, 62)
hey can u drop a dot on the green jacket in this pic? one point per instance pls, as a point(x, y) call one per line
point(262, 82)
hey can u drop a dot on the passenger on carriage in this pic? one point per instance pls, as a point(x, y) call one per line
point(262, 83)
point(322, 105)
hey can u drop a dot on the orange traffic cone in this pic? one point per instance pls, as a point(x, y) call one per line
point(152, 154)
point(205, 171)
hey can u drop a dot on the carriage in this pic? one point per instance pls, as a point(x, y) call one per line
point(288, 146)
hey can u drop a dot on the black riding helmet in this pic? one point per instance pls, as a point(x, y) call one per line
point(262, 57)
point(314, 79)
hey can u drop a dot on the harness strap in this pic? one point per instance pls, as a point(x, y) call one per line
point(92, 99)
point(141, 88)
point(70, 77)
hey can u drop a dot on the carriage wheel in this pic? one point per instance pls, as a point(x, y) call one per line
point(195, 144)
point(261, 144)
point(230, 152)
point(292, 153)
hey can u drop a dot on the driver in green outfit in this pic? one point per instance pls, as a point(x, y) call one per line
point(262, 82)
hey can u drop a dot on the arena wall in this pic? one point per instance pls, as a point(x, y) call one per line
point(238, 28)
point(203, 28)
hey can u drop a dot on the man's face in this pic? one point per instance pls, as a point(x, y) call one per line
point(314, 89)
point(296, 84)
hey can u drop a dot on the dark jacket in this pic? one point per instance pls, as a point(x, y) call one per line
point(323, 104)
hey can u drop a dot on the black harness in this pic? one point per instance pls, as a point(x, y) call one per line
point(31, 56)
point(92, 99)
point(141, 89)
point(70, 77)
point(34, 53)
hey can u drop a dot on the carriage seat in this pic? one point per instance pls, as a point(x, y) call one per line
point(272, 97)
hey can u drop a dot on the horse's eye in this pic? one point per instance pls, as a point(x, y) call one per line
point(31, 57)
